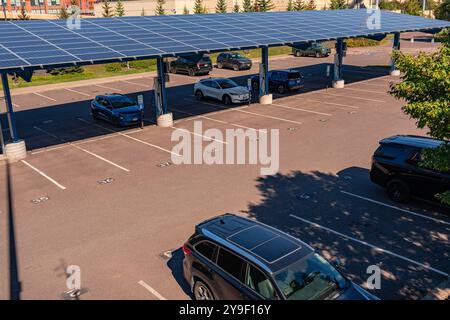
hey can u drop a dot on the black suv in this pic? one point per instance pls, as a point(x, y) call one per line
point(233, 61)
point(230, 257)
point(192, 65)
point(282, 80)
point(395, 166)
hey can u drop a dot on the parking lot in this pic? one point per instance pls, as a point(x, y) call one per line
point(111, 201)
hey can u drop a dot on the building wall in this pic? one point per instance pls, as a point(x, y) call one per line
point(42, 7)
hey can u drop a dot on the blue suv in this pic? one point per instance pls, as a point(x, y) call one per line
point(117, 109)
point(282, 80)
point(233, 258)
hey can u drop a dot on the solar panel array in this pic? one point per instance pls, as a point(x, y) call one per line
point(49, 43)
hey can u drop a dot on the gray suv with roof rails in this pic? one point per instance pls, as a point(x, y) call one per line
point(230, 257)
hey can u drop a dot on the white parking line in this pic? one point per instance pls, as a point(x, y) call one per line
point(299, 109)
point(130, 137)
point(106, 87)
point(199, 135)
point(44, 175)
point(364, 90)
point(151, 290)
point(78, 92)
point(396, 208)
point(326, 102)
point(353, 97)
point(136, 84)
point(43, 96)
point(84, 150)
point(378, 249)
point(367, 84)
point(270, 117)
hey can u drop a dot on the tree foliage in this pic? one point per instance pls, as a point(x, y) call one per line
point(290, 6)
point(247, 6)
point(159, 10)
point(63, 14)
point(236, 8)
point(413, 7)
point(338, 4)
point(221, 6)
point(264, 5)
point(299, 5)
point(311, 5)
point(23, 14)
point(107, 9)
point(443, 10)
point(120, 9)
point(425, 88)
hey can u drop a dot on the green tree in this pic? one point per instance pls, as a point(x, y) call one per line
point(425, 89)
point(159, 10)
point(389, 5)
point(236, 8)
point(412, 7)
point(198, 6)
point(185, 9)
point(338, 4)
point(443, 10)
point(120, 10)
point(311, 5)
point(23, 14)
point(221, 6)
point(247, 6)
point(290, 6)
point(264, 5)
point(299, 5)
point(107, 9)
point(63, 14)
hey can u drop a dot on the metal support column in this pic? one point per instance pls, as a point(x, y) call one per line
point(163, 116)
point(395, 46)
point(264, 96)
point(338, 81)
point(9, 108)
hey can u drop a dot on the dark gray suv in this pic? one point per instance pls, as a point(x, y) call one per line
point(230, 257)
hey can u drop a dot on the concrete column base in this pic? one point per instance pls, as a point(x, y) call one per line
point(165, 120)
point(15, 151)
point(395, 73)
point(266, 99)
point(338, 84)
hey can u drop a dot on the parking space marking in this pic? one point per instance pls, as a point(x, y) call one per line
point(136, 84)
point(106, 87)
point(367, 84)
point(84, 150)
point(130, 137)
point(270, 117)
point(199, 135)
point(151, 290)
point(299, 109)
point(364, 90)
point(77, 92)
point(44, 175)
point(325, 102)
point(396, 208)
point(353, 97)
point(378, 249)
point(44, 96)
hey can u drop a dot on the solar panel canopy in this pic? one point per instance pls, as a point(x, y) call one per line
point(51, 43)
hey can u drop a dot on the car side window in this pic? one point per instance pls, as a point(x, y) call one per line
point(206, 249)
point(274, 76)
point(215, 85)
point(231, 263)
point(206, 83)
point(258, 282)
point(105, 103)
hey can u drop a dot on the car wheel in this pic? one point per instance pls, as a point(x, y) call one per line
point(172, 70)
point(281, 89)
point(191, 72)
point(398, 191)
point(199, 95)
point(255, 85)
point(202, 292)
point(227, 100)
point(219, 65)
point(236, 67)
point(298, 54)
point(318, 55)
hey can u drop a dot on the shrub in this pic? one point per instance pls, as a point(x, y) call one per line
point(62, 71)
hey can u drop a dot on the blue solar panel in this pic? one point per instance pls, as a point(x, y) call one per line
point(49, 43)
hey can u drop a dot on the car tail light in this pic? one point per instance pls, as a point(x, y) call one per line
point(186, 250)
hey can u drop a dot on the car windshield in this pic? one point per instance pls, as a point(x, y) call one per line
point(237, 56)
point(226, 83)
point(311, 278)
point(294, 75)
point(121, 102)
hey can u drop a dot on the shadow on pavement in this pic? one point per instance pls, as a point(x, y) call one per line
point(175, 264)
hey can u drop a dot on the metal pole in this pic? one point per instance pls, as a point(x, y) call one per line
point(423, 7)
point(265, 61)
point(340, 54)
point(395, 46)
point(162, 84)
point(4, 9)
point(9, 108)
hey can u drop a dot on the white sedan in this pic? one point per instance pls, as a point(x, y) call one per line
point(221, 89)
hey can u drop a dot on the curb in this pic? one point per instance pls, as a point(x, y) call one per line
point(441, 292)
